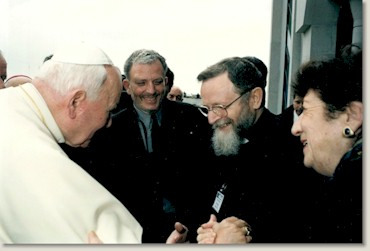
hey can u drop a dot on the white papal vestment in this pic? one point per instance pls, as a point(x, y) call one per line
point(44, 196)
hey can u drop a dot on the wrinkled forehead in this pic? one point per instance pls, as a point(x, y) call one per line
point(217, 90)
point(220, 84)
point(312, 98)
point(145, 70)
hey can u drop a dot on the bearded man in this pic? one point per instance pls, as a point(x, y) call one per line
point(251, 190)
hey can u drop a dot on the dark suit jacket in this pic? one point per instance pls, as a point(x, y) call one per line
point(118, 159)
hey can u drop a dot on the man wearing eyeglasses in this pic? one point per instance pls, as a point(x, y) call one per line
point(251, 193)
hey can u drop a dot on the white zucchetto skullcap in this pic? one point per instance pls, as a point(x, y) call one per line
point(81, 53)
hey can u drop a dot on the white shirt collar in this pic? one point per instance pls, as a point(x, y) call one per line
point(40, 107)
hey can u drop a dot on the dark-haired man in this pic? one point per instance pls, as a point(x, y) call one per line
point(252, 188)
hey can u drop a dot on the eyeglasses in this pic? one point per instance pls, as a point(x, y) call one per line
point(219, 110)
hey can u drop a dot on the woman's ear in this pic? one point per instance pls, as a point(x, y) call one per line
point(75, 102)
point(256, 97)
point(355, 112)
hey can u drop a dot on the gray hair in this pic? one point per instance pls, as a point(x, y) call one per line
point(64, 77)
point(144, 56)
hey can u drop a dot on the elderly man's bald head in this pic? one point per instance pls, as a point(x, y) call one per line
point(175, 94)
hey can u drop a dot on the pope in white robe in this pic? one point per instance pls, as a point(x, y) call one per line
point(46, 198)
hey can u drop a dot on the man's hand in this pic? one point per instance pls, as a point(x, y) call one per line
point(206, 234)
point(178, 235)
point(232, 231)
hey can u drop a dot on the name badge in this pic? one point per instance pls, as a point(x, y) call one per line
point(218, 201)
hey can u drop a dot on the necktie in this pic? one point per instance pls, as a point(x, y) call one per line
point(155, 134)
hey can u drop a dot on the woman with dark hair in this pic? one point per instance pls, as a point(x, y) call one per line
point(330, 130)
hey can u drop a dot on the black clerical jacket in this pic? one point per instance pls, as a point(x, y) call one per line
point(158, 188)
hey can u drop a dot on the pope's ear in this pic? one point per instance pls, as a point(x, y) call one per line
point(75, 102)
point(355, 112)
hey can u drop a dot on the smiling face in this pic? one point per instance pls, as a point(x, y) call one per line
point(146, 85)
point(220, 91)
point(322, 139)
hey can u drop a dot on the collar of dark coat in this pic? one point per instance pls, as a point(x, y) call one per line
point(265, 127)
point(349, 160)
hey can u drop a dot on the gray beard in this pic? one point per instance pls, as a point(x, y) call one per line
point(225, 143)
point(228, 143)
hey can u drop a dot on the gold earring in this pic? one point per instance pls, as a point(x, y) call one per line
point(347, 132)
